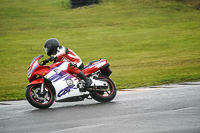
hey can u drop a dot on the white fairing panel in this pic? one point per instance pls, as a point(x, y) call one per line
point(64, 83)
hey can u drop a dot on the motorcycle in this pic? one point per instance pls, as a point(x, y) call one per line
point(49, 83)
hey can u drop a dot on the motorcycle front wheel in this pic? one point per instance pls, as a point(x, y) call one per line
point(38, 99)
point(109, 94)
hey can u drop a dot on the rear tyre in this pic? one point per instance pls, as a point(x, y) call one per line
point(38, 100)
point(108, 95)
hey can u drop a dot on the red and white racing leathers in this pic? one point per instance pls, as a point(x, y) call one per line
point(69, 56)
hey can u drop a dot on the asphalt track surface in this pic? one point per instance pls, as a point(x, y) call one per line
point(159, 109)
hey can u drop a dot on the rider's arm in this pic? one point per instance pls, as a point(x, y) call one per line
point(62, 51)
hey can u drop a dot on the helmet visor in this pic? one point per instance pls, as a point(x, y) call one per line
point(46, 50)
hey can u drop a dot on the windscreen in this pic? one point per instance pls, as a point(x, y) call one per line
point(36, 58)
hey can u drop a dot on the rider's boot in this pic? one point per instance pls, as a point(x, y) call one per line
point(87, 80)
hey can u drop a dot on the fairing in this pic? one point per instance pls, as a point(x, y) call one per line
point(94, 67)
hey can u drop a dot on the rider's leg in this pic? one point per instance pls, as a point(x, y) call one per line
point(74, 70)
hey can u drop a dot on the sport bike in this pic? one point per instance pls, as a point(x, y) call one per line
point(49, 83)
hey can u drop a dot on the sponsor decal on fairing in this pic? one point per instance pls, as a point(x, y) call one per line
point(65, 90)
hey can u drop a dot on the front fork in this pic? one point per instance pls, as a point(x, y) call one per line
point(42, 87)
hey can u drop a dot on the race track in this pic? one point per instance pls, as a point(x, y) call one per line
point(159, 109)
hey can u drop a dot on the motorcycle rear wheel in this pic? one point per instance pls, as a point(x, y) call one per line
point(38, 100)
point(108, 95)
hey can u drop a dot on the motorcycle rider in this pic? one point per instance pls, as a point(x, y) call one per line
point(60, 53)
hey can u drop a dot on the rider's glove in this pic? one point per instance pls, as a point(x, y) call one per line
point(44, 62)
point(51, 58)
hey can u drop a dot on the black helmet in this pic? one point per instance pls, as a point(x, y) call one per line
point(51, 46)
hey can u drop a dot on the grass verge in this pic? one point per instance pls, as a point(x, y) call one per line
point(149, 42)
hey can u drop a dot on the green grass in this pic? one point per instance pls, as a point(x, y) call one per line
point(149, 42)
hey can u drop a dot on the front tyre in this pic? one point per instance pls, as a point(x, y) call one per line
point(37, 99)
point(109, 94)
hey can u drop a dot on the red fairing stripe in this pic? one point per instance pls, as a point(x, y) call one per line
point(94, 67)
point(37, 81)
